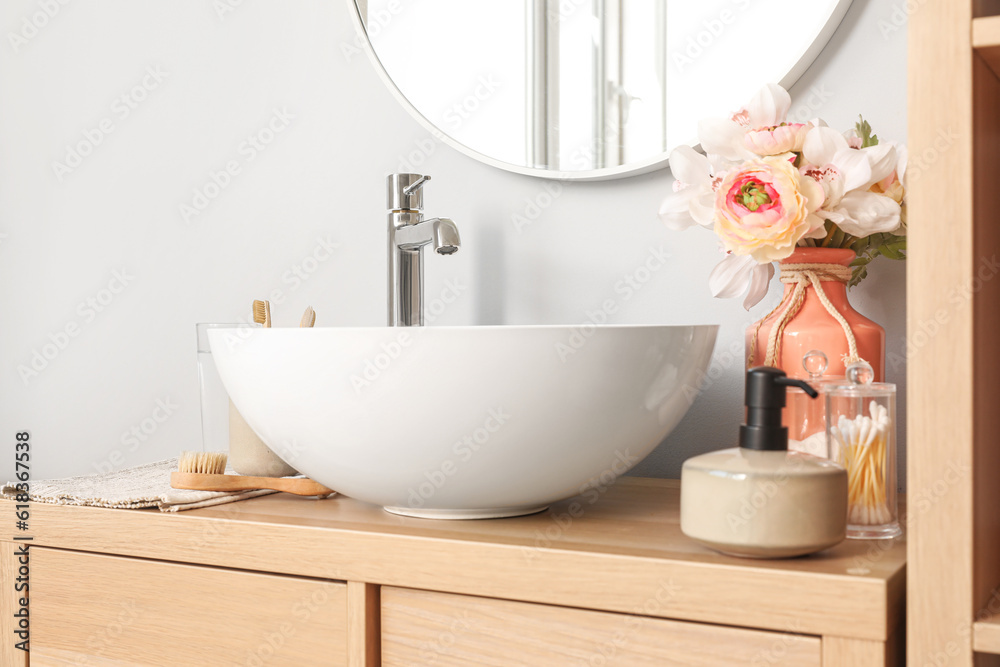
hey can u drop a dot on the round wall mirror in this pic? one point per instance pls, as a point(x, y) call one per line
point(585, 89)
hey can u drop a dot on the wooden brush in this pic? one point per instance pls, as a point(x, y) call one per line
point(308, 318)
point(262, 313)
point(205, 472)
point(203, 463)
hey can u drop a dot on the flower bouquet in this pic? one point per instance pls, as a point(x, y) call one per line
point(767, 186)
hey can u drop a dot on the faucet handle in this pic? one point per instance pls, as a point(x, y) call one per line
point(415, 185)
point(405, 191)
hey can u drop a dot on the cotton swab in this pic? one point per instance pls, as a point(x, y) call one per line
point(861, 448)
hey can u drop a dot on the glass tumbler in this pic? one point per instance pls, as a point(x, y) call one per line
point(214, 397)
point(861, 436)
point(223, 428)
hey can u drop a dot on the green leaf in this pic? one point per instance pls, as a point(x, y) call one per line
point(860, 246)
point(894, 248)
point(889, 252)
point(859, 274)
point(861, 261)
point(865, 132)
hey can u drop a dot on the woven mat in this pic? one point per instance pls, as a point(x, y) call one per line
point(131, 488)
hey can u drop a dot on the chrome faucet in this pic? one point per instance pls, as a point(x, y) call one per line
point(408, 234)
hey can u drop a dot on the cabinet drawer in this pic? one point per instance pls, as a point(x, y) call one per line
point(107, 610)
point(422, 628)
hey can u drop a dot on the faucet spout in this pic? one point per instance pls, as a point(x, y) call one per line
point(439, 232)
point(446, 238)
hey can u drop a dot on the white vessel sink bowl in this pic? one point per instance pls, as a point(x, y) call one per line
point(463, 422)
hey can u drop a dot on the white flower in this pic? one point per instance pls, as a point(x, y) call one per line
point(693, 199)
point(847, 174)
point(904, 157)
point(737, 274)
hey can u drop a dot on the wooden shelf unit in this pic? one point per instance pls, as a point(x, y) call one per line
point(986, 634)
point(986, 40)
point(954, 374)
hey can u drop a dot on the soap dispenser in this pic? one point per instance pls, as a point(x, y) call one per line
point(760, 500)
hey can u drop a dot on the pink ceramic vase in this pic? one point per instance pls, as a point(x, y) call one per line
point(813, 328)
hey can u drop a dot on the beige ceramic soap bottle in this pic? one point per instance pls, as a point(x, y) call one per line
point(760, 500)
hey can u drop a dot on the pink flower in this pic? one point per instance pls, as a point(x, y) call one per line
point(726, 137)
point(765, 207)
point(777, 139)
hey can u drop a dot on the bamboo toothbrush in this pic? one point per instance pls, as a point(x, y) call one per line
point(262, 313)
point(308, 318)
point(204, 471)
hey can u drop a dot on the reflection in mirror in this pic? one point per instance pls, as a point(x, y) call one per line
point(587, 88)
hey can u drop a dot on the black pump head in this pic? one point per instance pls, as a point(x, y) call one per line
point(765, 397)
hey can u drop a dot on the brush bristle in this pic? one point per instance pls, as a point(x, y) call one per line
point(203, 463)
point(259, 312)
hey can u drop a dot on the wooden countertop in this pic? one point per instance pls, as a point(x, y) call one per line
point(621, 550)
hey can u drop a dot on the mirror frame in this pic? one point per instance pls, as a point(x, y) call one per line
point(798, 63)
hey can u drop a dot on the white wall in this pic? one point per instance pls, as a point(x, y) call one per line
point(321, 177)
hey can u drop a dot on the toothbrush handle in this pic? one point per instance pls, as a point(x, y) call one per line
point(297, 485)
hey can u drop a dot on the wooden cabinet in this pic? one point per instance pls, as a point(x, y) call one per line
point(422, 628)
point(286, 580)
point(106, 610)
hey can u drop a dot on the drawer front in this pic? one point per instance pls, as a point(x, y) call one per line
point(106, 610)
point(424, 628)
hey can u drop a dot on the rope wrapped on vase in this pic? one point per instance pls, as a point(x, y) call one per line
point(803, 275)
